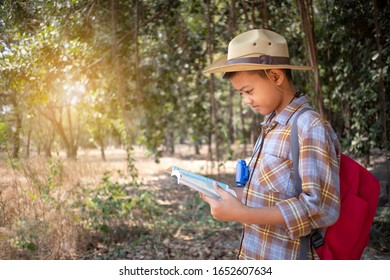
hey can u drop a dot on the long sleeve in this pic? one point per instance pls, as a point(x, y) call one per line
point(318, 204)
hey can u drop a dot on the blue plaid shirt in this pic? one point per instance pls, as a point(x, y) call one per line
point(273, 178)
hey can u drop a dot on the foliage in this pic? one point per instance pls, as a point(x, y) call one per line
point(54, 177)
point(87, 65)
point(5, 132)
point(26, 235)
point(111, 203)
point(350, 70)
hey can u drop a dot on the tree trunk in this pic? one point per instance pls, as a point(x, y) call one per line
point(232, 29)
point(242, 117)
point(255, 128)
point(138, 75)
point(306, 10)
point(16, 137)
point(230, 118)
point(28, 142)
point(197, 147)
point(119, 81)
point(18, 126)
point(335, 120)
point(73, 135)
point(47, 150)
point(264, 13)
point(170, 140)
point(70, 145)
point(47, 145)
point(244, 8)
point(210, 48)
point(102, 152)
point(101, 141)
point(71, 152)
point(254, 17)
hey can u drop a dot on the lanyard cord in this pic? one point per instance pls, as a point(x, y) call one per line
point(258, 152)
point(259, 147)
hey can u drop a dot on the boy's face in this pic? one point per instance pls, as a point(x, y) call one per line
point(258, 92)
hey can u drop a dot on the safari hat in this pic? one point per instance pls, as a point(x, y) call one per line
point(256, 49)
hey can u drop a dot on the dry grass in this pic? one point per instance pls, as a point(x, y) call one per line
point(36, 220)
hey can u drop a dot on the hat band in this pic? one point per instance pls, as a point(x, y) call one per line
point(262, 59)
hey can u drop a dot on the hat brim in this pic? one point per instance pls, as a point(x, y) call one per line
point(221, 66)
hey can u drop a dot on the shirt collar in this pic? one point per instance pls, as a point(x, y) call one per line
point(284, 116)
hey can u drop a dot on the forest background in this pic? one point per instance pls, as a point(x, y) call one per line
point(124, 78)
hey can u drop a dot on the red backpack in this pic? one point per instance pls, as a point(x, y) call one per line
point(359, 194)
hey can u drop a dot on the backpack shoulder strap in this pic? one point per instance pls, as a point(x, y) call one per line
point(294, 146)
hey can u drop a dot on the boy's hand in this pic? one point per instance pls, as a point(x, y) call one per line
point(226, 209)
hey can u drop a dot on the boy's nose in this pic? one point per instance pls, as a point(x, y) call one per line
point(247, 100)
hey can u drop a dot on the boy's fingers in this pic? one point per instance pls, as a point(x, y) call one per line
point(222, 192)
point(218, 188)
point(207, 198)
point(203, 197)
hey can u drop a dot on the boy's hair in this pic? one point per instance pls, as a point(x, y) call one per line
point(229, 75)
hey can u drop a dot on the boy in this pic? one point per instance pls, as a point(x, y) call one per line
point(274, 215)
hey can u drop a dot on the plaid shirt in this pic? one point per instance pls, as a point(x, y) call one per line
point(273, 178)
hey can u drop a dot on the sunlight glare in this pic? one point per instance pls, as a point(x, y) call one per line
point(73, 92)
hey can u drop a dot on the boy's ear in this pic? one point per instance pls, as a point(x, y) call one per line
point(277, 76)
